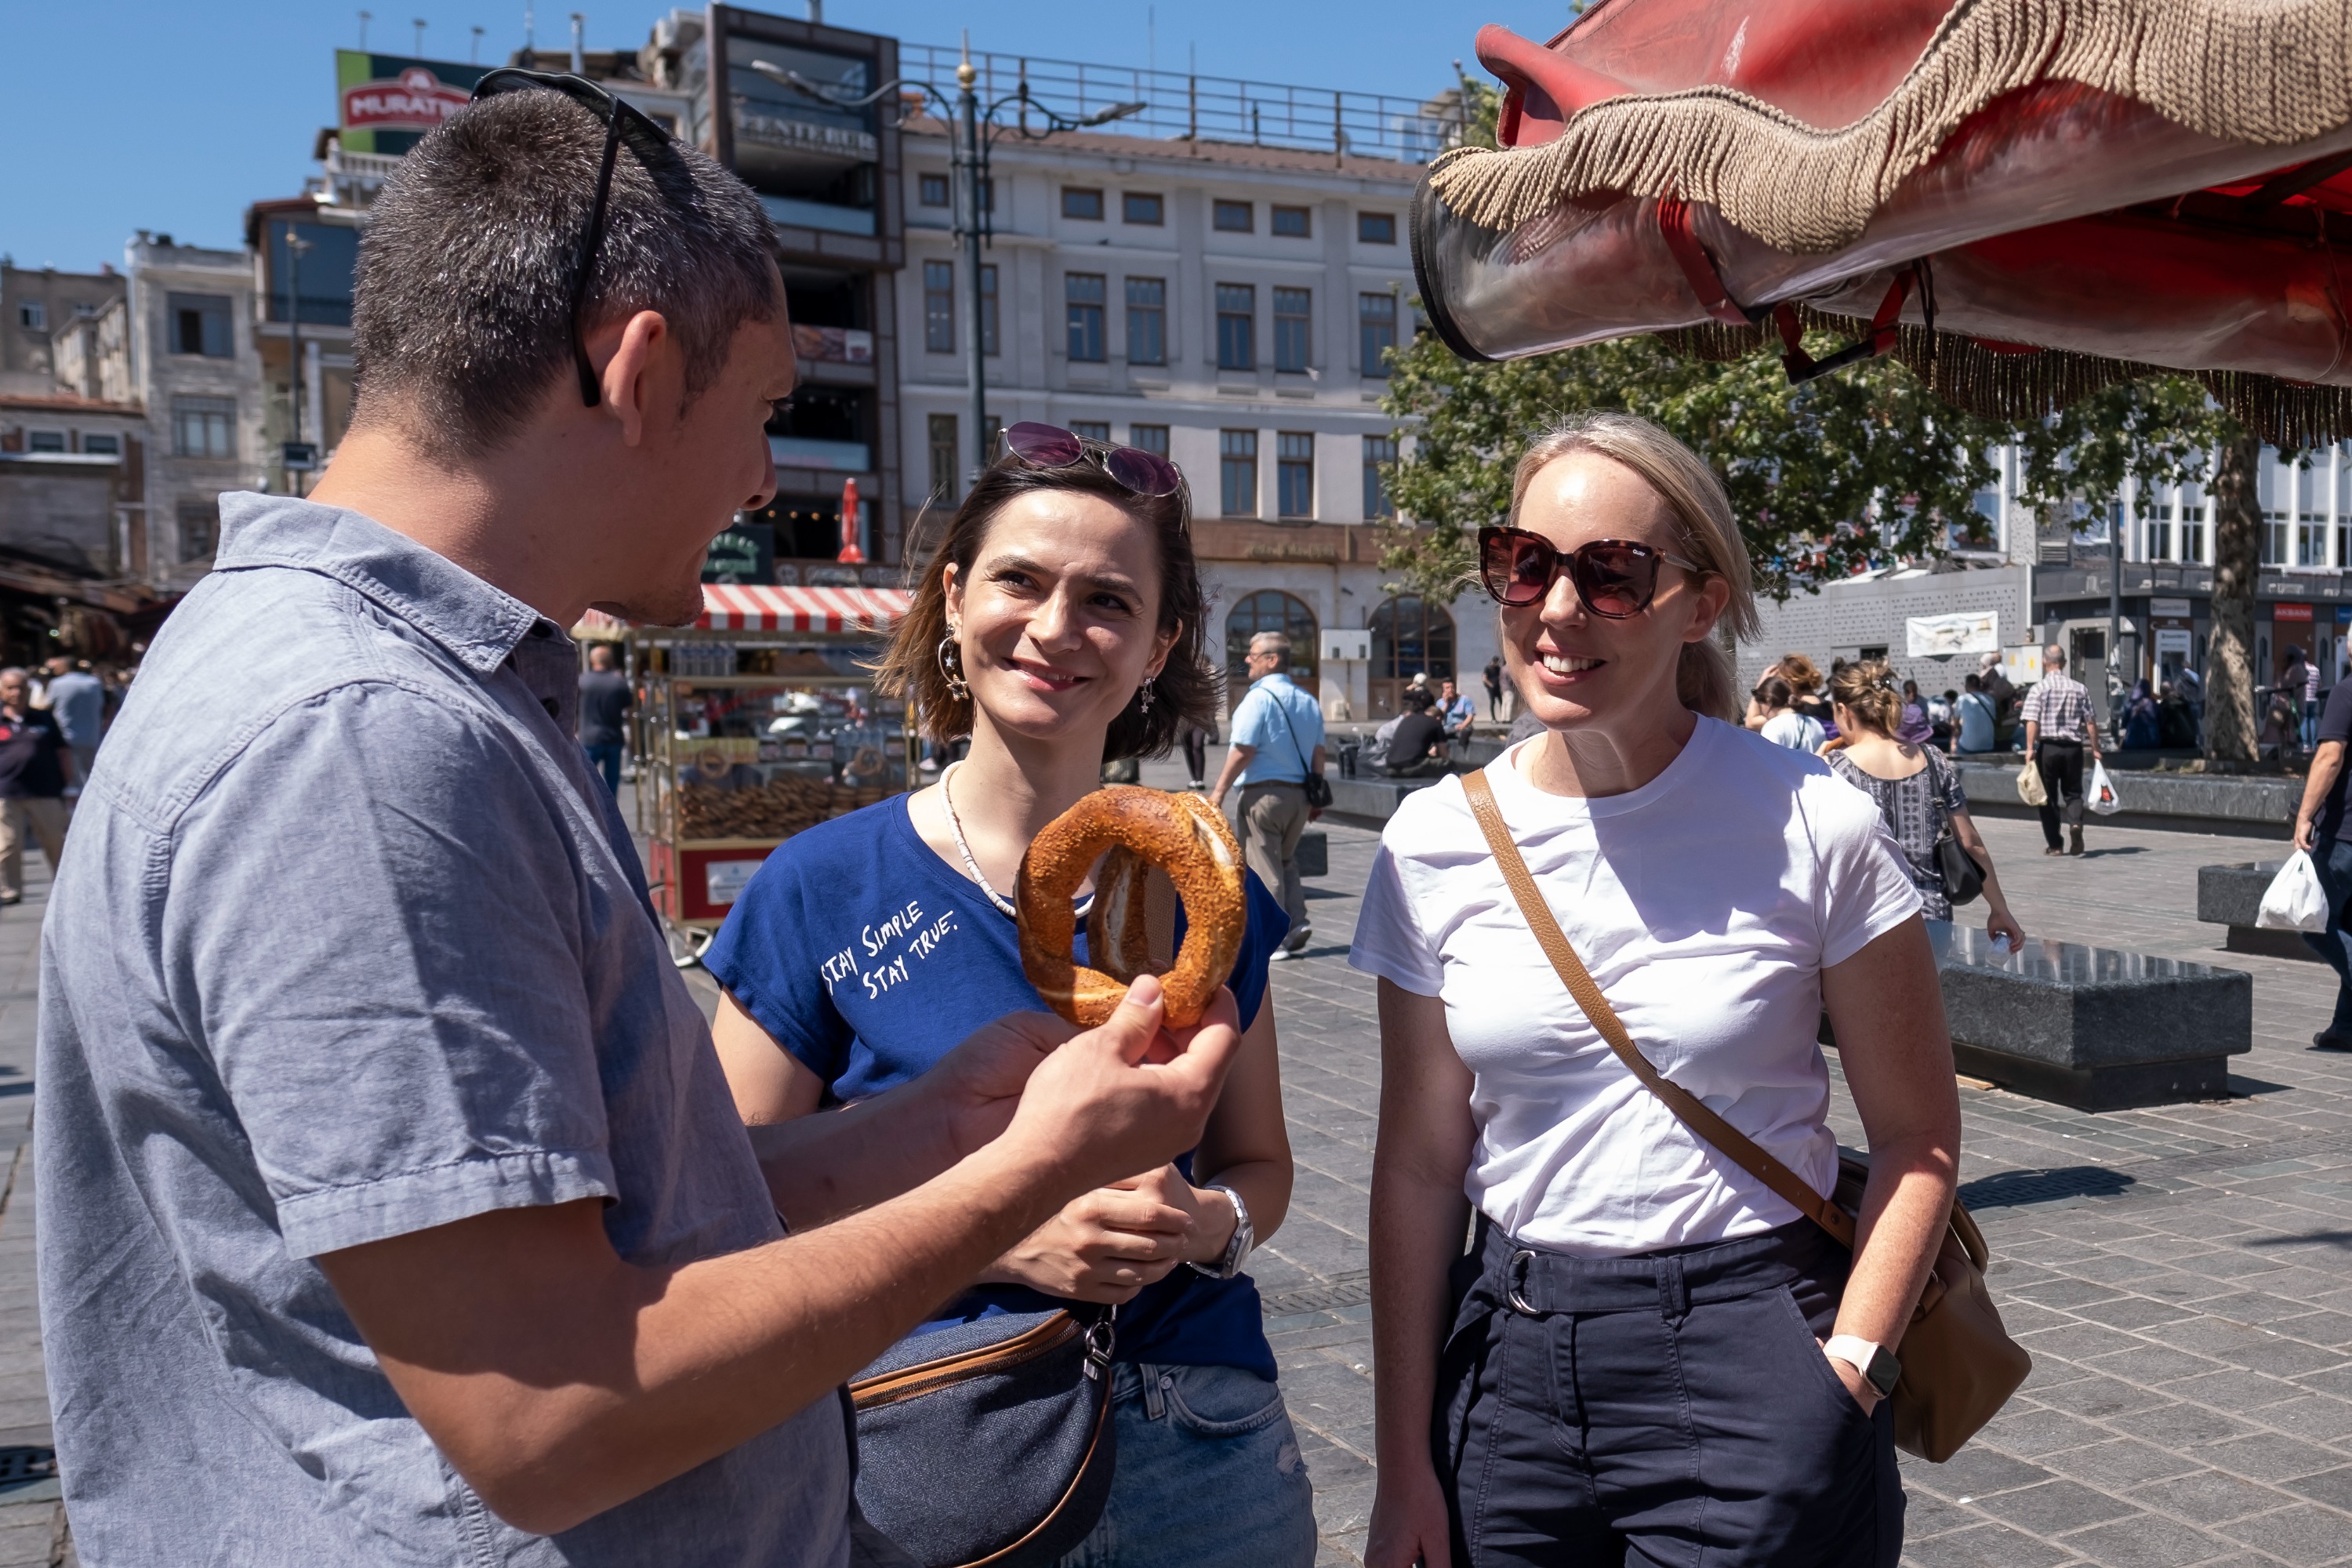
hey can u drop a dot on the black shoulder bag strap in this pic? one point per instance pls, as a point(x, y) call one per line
point(1317, 787)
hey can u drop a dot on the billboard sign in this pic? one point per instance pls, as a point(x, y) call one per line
point(1941, 636)
point(387, 102)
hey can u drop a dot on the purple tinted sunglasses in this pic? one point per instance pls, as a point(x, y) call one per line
point(1051, 446)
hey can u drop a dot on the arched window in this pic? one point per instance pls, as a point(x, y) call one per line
point(1412, 637)
point(1268, 610)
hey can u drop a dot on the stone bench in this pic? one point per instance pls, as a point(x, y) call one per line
point(2092, 1028)
point(1369, 798)
point(2231, 895)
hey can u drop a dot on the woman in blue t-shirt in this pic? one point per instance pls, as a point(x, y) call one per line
point(1059, 624)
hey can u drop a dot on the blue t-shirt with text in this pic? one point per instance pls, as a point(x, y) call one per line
point(864, 955)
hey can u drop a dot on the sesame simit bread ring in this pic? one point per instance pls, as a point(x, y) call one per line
point(1182, 835)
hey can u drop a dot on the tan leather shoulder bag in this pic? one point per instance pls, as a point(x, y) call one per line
point(1960, 1365)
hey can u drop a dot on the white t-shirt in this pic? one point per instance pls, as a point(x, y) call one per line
point(1706, 904)
point(1794, 730)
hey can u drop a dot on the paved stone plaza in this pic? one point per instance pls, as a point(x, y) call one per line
point(2183, 1276)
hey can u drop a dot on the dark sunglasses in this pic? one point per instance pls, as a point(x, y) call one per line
point(622, 123)
point(1616, 578)
point(1051, 446)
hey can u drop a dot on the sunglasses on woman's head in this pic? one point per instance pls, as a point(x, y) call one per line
point(1051, 446)
point(1615, 578)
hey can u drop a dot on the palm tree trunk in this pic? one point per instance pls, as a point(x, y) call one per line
point(2237, 560)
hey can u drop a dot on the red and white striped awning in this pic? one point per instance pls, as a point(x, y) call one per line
point(752, 607)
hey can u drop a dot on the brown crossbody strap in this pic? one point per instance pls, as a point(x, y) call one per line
point(1735, 1144)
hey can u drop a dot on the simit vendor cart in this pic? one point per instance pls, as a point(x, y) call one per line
point(757, 723)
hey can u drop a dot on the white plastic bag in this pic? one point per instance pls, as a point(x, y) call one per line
point(2103, 791)
point(2293, 900)
point(2029, 788)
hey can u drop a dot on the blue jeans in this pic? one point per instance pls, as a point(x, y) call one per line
point(1209, 1475)
point(607, 759)
point(2333, 860)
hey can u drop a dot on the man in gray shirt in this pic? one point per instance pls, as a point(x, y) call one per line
point(393, 1207)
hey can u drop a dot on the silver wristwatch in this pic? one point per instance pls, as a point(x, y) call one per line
point(1245, 1238)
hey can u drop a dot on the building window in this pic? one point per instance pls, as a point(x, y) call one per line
point(1147, 320)
point(1376, 325)
point(1411, 637)
point(933, 189)
point(1267, 610)
point(945, 451)
point(32, 316)
point(1293, 317)
point(1380, 456)
point(2192, 523)
point(1292, 223)
point(1141, 206)
point(1236, 326)
point(1237, 471)
point(1376, 229)
point(203, 427)
point(938, 307)
point(1084, 293)
point(1082, 204)
point(1294, 474)
point(200, 325)
point(2311, 530)
point(1153, 438)
point(2275, 512)
point(988, 309)
point(1092, 429)
point(103, 445)
point(1234, 217)
point(199, 529)
point(45, 441)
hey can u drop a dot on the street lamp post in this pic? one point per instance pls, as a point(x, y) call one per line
point(970, 188)
point(295, 246)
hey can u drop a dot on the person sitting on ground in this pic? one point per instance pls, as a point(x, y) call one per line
point(1417, 750)
point(2141, 720)
point(1783, 725)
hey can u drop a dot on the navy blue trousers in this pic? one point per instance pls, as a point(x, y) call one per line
point(1674, 1408)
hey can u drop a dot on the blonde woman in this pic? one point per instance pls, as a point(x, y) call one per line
point(1917, 790)
point(1648, 1356)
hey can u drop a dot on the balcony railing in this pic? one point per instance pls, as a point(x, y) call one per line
point(1181, 105)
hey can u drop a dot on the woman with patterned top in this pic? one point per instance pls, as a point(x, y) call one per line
point(1917, 790)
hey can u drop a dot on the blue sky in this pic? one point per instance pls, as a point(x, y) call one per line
point(129, 114)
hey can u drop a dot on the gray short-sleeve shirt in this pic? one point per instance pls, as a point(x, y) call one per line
point(353, 943)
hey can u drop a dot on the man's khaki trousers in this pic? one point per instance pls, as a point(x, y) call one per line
point(43, 817)
point(1273, 818)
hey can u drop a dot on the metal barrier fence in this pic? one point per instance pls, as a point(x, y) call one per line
point(1181, 105)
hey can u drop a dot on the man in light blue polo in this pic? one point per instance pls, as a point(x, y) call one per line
point(393, 1206)
point(1277, 742)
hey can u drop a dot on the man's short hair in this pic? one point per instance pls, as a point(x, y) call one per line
point(461, 311)
point(602, 653)
point(2055, 656)
point(1271, 642)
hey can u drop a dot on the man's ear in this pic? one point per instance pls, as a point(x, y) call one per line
point(637, 373)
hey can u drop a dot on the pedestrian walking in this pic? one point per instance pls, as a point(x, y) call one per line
point(2058, 730)
point(78, 698)
point(1495, 688)
point(1198, 737)
point(1008, 640)
point(36, 767)
point(2310, 703)
point(2319, 831)
point(393, 1206)
point(605, 699)
point(1277, 746)
point(1416, 747)
point(1649, 1354)
point(1918, 794)
point(1973, 718)
point(1783, 725)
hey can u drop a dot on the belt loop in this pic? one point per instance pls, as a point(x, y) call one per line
point(1674, 1294)
point(1513, 1274)
point(1156, 1381)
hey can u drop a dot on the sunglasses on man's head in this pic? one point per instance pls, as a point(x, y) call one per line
point(1051, 446)
point(1615, 578)
point(622, 123)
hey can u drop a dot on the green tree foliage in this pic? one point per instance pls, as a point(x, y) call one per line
point(1825, 478)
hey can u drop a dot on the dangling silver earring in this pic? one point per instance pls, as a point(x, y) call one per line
point(951, 662)
point(1145, 696)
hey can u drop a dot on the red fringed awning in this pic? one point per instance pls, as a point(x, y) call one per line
point(757, 607)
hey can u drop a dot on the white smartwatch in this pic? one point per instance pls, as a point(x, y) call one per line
point(1875, 1362)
